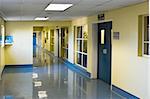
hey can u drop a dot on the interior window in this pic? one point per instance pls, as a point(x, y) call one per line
point(146, 42)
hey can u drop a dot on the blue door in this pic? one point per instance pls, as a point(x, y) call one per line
point(104, 51)
point(34, 44)
point(34, 39)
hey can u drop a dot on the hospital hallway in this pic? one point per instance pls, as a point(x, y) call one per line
point(50, 78)
point(74, 49)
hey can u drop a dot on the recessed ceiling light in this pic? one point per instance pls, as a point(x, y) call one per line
point(41, 18)
point(58, 7)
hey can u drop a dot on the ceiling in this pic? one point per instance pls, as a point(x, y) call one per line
point(27, 10)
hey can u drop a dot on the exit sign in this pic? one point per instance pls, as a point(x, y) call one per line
point(101, 17)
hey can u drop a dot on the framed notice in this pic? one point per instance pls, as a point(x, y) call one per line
point(8, 40)
point(116, 35)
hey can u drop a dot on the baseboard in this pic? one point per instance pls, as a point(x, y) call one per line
point(123, 93)
point(20, 68)
point(76, 68)
point(20, 65)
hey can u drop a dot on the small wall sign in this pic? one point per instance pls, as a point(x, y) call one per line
point(101, 17)
point(116, 35)
point(8, 39)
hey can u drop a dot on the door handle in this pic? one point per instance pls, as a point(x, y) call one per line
point(104, 51)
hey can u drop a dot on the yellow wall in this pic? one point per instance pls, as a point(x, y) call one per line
point(129, 71)
point(45, 31)
point(22, 49)
point(37, 28)
point(2, 55)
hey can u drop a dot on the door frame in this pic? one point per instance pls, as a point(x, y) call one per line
point(57, 46)
point(99, 52)
point(94, 57)
point(58, 33)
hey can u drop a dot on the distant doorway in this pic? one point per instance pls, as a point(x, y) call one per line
point(104, 51)
point(34, 39)
point(34, 44)
point(57, 30)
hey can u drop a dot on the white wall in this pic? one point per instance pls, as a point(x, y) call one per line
point(129, 72)
point(71, 45)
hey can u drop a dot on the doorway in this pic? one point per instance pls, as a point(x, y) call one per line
point(34, 39)
point(34, 44)
point(57, 31)
point(64, 42)
point(104, 51)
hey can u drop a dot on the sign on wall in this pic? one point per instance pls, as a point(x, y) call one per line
point(8, 39)
point(116, 35)
point(101, 17)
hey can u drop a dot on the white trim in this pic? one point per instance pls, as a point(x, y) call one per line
point(65, 48)
point(101, 21)
point(81, 39)
point(76, 50)
point(84, 53)
point(146, 42)
point(81, 52)
point(95, 70)
point(146, 56)
point(81, 66)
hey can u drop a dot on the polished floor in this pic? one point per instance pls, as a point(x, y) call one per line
point(16, 83)
point(50, 79)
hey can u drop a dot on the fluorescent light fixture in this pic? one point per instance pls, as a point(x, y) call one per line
point(41, 18)
point(58, 7)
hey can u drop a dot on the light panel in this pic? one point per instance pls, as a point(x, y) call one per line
point(58, 7)
point(41, 18)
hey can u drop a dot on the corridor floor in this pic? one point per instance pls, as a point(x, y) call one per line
point(50, 78)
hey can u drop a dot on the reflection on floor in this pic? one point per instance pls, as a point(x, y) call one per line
point(50, 79)
point(59, 82)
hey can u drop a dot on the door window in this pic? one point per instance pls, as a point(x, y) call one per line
point(103, 36)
